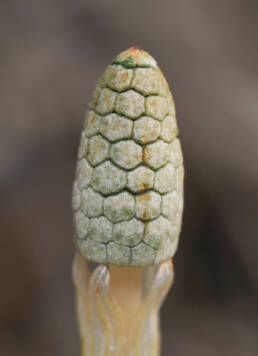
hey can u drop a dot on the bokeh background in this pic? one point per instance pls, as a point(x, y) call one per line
point(52, 52)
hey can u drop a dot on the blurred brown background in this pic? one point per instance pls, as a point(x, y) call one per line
point(52, 52)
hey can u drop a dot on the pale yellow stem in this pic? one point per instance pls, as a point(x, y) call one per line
point(118, 308)
point(126, 288)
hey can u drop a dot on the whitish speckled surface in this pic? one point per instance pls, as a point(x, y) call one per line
point(128, 190)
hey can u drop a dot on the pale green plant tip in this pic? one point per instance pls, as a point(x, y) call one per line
point(128, 190)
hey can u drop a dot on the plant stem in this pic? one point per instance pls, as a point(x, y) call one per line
point(118, 307)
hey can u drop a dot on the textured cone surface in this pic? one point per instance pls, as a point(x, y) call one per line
point(128, 189)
